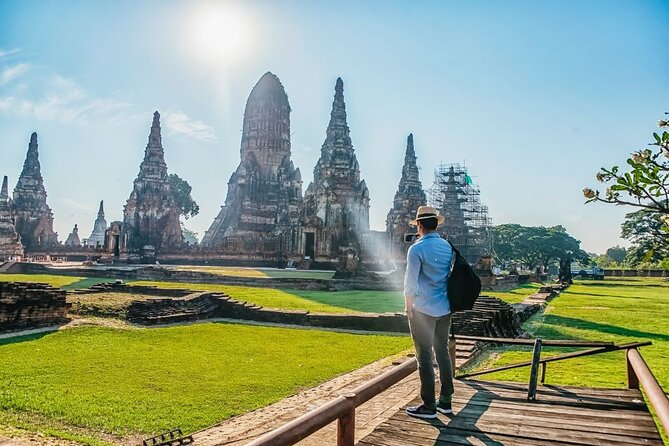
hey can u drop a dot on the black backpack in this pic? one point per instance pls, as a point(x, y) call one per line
point(464, 286)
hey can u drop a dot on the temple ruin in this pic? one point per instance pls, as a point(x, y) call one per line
point(10, 240)
point(458, 199)
point(73, 238)
point(151, 215)
point(260, 218)
point(97, 238)
point(336, 212)
point(33, 217)
point(409, 196)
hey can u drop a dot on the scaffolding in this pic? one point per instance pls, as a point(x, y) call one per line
point(458, 199)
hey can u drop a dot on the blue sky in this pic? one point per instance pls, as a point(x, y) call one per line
point(532, 96)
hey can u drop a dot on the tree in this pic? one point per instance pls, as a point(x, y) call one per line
point(645, 185)
point(534, 246)
point(616, 253)
point(182, 194)
point(190, 236)
point(649, 236)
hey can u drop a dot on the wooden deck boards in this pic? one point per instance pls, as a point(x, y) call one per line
point(497, 413)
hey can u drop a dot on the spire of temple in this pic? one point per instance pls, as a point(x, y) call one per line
point(97, 238)
point(151, 215)
point(30, 181)
point(10, 241)
point(4, 194)
point(408, 197)
point(266, 127)
point(73, 238)
point(337, 200)
point(265, 191)
point(410, 184)
point(153, 166)
point(34, 219)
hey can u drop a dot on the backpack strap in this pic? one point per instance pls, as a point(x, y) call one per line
point(454, 256)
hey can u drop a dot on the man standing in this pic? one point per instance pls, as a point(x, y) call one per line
point(429, 312)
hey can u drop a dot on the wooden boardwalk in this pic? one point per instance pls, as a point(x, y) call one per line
point(490, 413)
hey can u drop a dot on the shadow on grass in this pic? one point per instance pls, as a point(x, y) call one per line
point(357, 300)
point(596, 326)
point(25, 338)
point(86, 282)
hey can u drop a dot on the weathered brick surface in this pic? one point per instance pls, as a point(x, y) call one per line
point(28, 305)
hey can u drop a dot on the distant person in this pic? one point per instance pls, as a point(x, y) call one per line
point(429, 312)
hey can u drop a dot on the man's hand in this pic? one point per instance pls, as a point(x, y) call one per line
point(408, 306)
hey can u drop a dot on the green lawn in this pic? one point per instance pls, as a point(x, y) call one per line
point(516, 295)
point(258, 273)
point(618, 310)
point(143, 381)
point(355, 301)
point(66, 282)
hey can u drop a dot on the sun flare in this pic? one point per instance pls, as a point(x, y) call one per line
point(218, 31)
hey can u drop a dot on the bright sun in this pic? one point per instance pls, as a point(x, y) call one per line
point(217, 30)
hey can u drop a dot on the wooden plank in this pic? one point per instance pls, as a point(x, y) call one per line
point(552, 397)
point(522, 387)
point(546, 430)
point(610, 413)
point(391, 437)
point(422, 431)
point(585, 402)
point(577, 421)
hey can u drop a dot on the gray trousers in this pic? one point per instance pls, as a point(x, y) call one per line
point(431, 333)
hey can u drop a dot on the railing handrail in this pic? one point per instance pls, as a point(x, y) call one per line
point(300, 428)
point(530, 341)
point(644, 376)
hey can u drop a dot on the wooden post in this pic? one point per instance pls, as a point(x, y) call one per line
point(452, 351)
point(632, 378)
point(346, 424)
point(543, 372)
point(534, 371)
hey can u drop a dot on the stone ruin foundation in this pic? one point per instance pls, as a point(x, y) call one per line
point(31, 305)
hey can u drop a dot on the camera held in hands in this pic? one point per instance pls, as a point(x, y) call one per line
point(410, 237)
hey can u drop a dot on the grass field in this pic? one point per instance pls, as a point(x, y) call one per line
point(79, 382)
point(258, 273)
point(617, 310)
point(610, 310)
point(353, 301)
point(516, 295)
point(66, 282)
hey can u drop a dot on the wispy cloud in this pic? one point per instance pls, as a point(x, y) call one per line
point(47, 96)
point(179, 123)
point(61, 99)
point(14, 72)
point(6, 53)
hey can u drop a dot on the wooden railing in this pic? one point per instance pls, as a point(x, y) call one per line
point(638, 372)
point(341, 409)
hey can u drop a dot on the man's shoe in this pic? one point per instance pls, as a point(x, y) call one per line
point(444, 408)
point(421, 412)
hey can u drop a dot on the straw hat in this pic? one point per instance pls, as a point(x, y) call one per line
point(424, 212)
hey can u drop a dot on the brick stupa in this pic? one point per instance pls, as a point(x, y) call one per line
point(151, 214)
point(33, 217)
point(337, 201)
point(10, 241)
point(264, 195)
